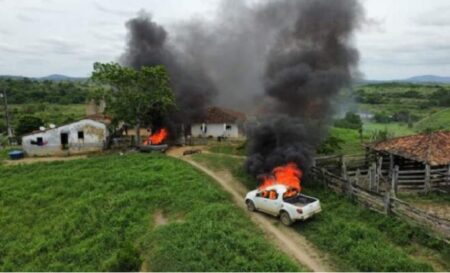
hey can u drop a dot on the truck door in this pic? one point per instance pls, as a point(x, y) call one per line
point(261, 200)
point(273, 205)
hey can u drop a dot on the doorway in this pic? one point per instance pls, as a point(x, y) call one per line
point(65, 141)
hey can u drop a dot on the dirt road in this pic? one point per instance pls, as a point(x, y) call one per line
point(288, 240)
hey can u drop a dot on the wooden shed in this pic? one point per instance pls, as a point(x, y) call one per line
point(416, 163)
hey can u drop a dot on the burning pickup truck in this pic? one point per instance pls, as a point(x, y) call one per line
point(279, 195)
point(283, 202)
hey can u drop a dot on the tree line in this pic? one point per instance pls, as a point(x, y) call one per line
point(25, 90)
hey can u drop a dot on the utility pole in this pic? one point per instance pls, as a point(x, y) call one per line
point(8, 125)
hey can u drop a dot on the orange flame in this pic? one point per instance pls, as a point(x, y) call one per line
point(289, 175)
point(158, 137)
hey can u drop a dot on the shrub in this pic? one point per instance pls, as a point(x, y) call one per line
point(350, 121)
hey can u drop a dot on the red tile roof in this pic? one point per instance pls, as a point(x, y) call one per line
point(223, 115)
point(431, 148)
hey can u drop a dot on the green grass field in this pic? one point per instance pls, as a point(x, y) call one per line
point(436, 121)
point(98, 215)
point(394, 129)
point(357, 238)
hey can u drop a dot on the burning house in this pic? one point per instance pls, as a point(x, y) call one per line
point(220, 122)
point(83, 136)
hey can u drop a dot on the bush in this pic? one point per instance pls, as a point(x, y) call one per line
point(350, 121)
point(382, 118)
point(330, 145)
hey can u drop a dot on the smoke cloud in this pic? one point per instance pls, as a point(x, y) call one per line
point(283, 61)
point(311, 61)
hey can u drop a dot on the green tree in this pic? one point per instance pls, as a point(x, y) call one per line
point(137, 97)
point(350, 121)
point(28, 124)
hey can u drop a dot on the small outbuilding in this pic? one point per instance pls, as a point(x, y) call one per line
point(83, 136)
point(418, 162)
point(220, 122)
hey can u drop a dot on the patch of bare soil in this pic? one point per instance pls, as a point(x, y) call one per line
point(287, 239)
point(32, 160)
point(438, 209)
point(160, 219)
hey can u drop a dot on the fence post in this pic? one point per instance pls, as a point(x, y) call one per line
point(391, 165)
point(325, 182)
point(387, 202)
point(357, 176)
point(447, 179)
point(394, 181)
point(379, 173)
point(343, 168)
point(427, 178)
point(372, 171)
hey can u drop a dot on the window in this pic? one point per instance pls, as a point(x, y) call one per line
point(228, 127)
point(268, 194)
point(39, 141)
point(80, 135)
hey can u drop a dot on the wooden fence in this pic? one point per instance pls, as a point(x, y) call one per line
point(376, 173)
point(385, 202)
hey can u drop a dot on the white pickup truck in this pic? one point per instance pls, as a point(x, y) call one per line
point(273, 200)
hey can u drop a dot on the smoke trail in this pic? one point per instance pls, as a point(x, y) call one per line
point(308, 65)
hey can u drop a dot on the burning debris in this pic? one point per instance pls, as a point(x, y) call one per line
point(157, 138)
point(155, 142)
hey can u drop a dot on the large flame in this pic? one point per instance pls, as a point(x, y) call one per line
point(158, 137)
point(289, 175)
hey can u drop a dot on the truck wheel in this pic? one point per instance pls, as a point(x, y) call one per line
point(251, 205)
point(285, 218)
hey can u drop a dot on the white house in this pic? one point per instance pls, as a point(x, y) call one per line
point(220, 122)
point(80, 137)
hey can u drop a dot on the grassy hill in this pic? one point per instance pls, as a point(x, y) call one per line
point(99, 214)
point(436, 121)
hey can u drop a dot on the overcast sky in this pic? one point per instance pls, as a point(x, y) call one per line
point(41, 37)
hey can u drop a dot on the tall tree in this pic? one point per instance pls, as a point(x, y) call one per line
point(137, 97)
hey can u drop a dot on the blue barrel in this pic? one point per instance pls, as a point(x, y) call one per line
point(15, 155)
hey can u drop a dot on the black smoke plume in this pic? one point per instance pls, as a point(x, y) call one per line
point(148, 45)
point(283, 61)
point(311, 61)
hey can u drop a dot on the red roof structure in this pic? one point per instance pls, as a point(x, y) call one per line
point(431, 148)
point(223, 115)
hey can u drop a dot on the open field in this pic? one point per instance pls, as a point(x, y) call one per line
point(358, 239)
point(118, 213)
point(394, 129)
point(436, 121)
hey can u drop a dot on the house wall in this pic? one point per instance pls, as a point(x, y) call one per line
point(215, 130)
point(95, 134)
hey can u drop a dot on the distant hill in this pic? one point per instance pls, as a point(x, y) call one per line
point(53, 77)
point(428, 79)
point(423, 79)
point(59, 77)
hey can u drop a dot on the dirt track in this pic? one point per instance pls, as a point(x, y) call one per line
point(288, 240)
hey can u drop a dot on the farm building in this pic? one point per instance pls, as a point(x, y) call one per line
point(84, 136)
point(418, 162)
point(220, 122)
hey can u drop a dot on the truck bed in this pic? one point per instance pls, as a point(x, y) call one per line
point(300, 200)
